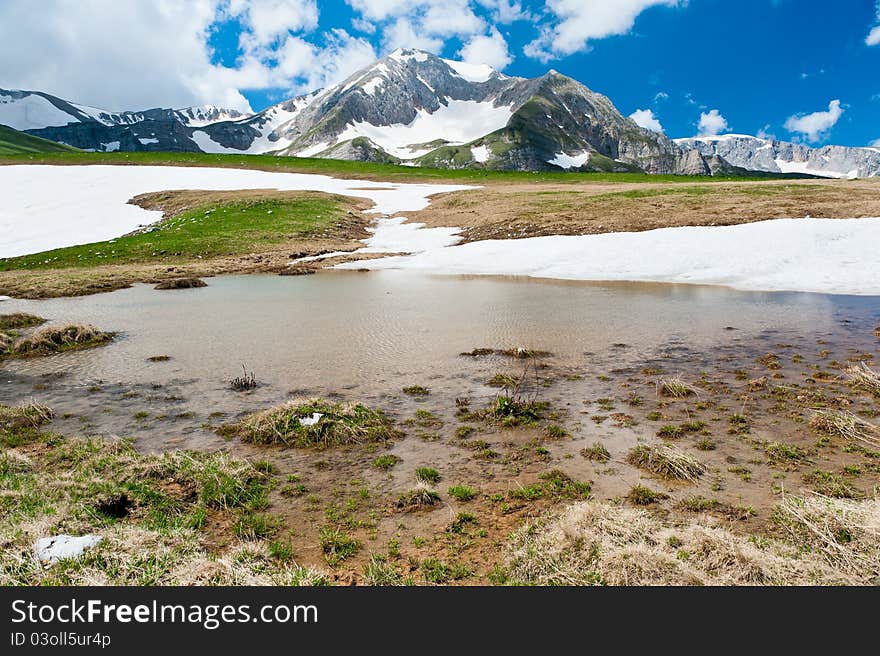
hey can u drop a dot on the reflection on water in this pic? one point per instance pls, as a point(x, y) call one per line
point(366, 334)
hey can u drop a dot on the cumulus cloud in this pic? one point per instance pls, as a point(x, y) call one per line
point(577, 22)
point(505, 11)
point(93, 51)
point(712, 123)
point(815, 127)
point(875, 143)
point(645, 118)
point(487, 49)
point(421, 24)
point(873, 38)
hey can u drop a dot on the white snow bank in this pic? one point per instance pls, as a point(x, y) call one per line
point(811, 255)
point(396, 236)
point(46, 207)
point(570, 161)
point(60, 547)
point(148, 140)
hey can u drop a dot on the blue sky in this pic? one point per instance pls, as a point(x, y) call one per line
point(765, 66)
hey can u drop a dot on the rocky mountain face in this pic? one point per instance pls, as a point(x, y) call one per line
point(756, 154)
point(414, 108)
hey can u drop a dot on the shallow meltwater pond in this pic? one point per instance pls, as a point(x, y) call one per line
point(365, 336)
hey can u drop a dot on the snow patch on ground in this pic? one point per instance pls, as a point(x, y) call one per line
point(61, 547)
point(148, 141)
point(458, 122)
point(31, 113)
point(110, 146)
point(480, 154)
point(90, 203)
point(570, 161)
point(397, 236)
point(836, 256)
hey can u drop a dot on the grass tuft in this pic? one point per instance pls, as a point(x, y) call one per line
point(315, 423)
point(666, 462)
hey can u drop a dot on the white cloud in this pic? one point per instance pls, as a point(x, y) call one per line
point(505, 11)
point(580, 21)
point(487, 49)
point(815, 126)
point(158, 54)
point(712, 123)
point(873, 38)
point(270, 20)
point(88, 51)
point(421, 24)
point(875, 143)
point(661, 95)
point(764, 133)
point(645, 118)
point(403, 34)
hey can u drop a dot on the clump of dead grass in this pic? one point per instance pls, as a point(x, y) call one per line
point(314, 423)
point(29, 414)
point(181, 283)
point(863, 377)
point(666, 462)
point(55, 339)
point(846, 425)
point(844, 533)
point(676, 388)
point(595, 543)
point(19, 320)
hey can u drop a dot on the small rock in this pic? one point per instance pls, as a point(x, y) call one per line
point(58, 547)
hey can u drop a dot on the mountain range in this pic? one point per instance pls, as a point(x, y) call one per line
point(417, 109)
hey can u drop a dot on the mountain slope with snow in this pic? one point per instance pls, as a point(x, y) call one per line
point(414, 108)
point(757, 154)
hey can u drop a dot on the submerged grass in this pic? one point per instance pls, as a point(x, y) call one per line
point(314, 423)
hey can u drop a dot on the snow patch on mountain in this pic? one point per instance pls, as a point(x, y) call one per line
point(478, 73)
point(570, 161)
point(456, 122)
point(804, 167)
point(480, 154)
point(31, 112)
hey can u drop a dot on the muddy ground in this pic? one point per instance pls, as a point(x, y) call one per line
point(746, 420)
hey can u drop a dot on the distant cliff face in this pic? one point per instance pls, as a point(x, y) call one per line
point(770, 155)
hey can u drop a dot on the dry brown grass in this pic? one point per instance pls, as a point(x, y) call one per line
point(846, 425)
point(865, 378)
point(314, 423)
point(676, 388)
point(513, 211)
point(666, 462)
point(181, 283)
point(30, 413)
point(55, 339)
point(594, 543)
point(19, 320)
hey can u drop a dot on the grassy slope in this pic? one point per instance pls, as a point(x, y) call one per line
point(358, 170)
point(13, 142)
point(204, 232)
